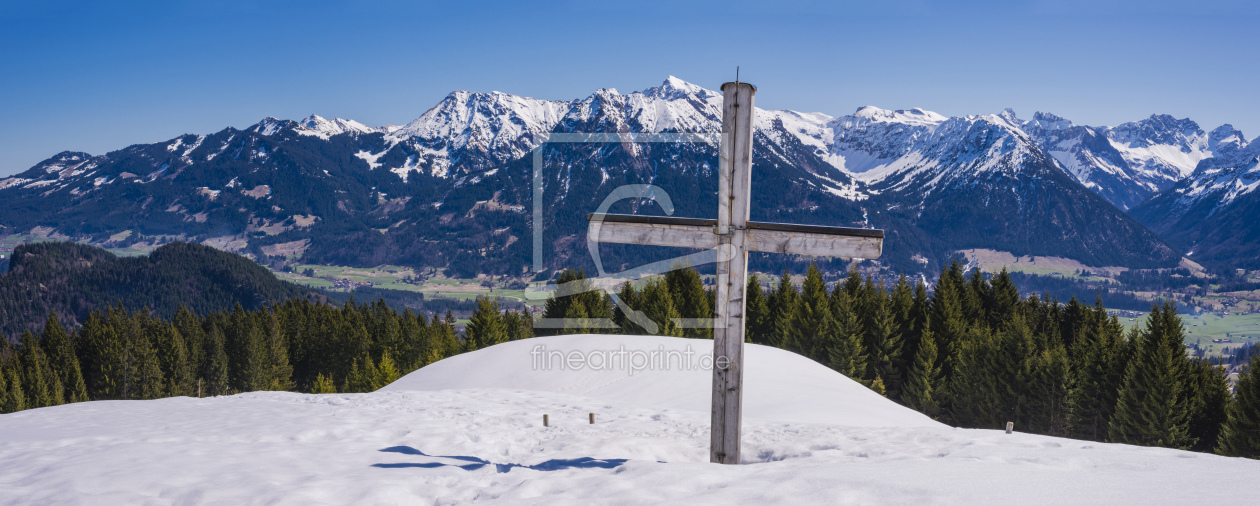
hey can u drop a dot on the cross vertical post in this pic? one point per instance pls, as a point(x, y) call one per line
point(734, 180)
point(731, 236)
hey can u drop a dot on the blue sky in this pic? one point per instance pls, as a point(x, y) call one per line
point(98, 76)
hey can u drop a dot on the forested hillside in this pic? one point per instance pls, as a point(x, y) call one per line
point(73, 279)
point(972, 353)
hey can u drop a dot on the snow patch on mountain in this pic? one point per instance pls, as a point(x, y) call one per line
point(318, 126)
point(370, 158)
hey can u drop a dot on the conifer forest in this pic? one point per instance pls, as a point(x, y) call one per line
point(971, 352)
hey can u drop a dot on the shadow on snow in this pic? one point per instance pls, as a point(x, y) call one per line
point(474, 463)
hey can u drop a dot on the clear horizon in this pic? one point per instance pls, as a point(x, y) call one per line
point(98, 78)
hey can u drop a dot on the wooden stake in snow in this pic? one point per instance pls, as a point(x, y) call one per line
point(545, 421)
point(1010, 426)
point(592, 418)
point(733, 236)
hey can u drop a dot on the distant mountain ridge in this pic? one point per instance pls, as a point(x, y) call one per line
point(1213, 213)
point(452, 187)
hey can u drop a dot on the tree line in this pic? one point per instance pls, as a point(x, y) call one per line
point(973, 353)
point(297, 345)
point(970, 353)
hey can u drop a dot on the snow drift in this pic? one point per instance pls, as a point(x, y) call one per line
point(667, 373)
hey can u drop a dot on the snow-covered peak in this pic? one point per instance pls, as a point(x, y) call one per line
point(1009, 115)
point(1161, 147)
point(324, 128)
point(465, 116)
point(1159, 129)
point(915, 116)
point(270, 125)
point(674, 88)
point(1226, 138)
point(1049, 122)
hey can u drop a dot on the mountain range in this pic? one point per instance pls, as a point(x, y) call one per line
point(453, 187)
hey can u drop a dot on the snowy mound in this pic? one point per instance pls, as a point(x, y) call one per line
point(469, 429)
point(666, 373)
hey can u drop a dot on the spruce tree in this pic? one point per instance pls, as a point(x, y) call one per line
point(16, 399)
point(883, 342)
point(61, 357)
point(4, 387)
point(973, 397)
point(215, 371)
point(1209, 402)
point(172, 357)
point(756, 306)
point(35, 381)
point(519, 325)
point(1096, 372)
point(924, 382)
point(1240, 436)
point(628, 297)
point(1152, 409)
point(946, 319)
point(687, 292)
point(658, 305)
point(281, 370)
point(812, 317)
point(254, 369)
point(146, 368)
point(784, 304)
point(1003, 299)
point(386, 372)
point(323, 385)
point(846, 353)
point(486, 326)
point(1046, 407)
point(189, 328)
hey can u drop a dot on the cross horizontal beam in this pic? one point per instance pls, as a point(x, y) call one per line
point(812, 240)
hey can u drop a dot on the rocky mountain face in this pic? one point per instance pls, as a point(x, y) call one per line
point(453, 187)
point(1211, 214)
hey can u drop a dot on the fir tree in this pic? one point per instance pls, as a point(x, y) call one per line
point(658, 305)
point(520, 325)
point(813, 317)
point(4, 388)
point(883, 342)
point(189, 328)
point(323, 385)
point(756, 306)
point(973, 399)
point(1152, 409)
point(784, 303)
point(16, 399)
point(35, 380)
point(1096, 370)
point(280, 375)
point(62, 358)
point(923, 383)
point(946, 320)
point(386, 372)
point(687, 292)
point(1240, 436)
point(1209, 402)
point(215, 370)
point(846, 352)
point(486, 326)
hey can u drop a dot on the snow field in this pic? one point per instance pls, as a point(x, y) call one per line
point(478, 442)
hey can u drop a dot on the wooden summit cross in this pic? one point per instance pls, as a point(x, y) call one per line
point(733, 236)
